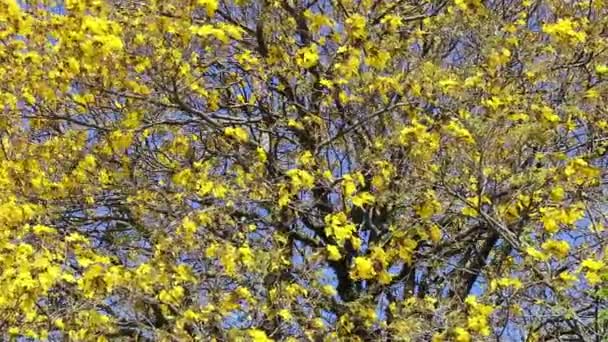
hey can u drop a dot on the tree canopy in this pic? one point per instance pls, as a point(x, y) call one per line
point(303, 170)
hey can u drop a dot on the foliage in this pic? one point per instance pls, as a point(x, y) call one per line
point(303, 170)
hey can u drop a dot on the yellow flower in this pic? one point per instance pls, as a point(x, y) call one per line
point(189, 225)
point(262, 156)
point(259, 336)
point(385, 278)
point(505, 282)
point(565, 29)
point(210, 5)
point(348, 184)
point(338, 226)
point(601, 69)
point(558, 193)
point(356, 25)
point(285, 314)
point(237, 133)
point(478, 316)
point(461, 335)
point(329, 290)
point(363, 268)
point(363, 198)
point(457, 130)
point(317, 323)
point(429, 205)
point(306, 158)
point(301, 179)
point(536, 254)
point(210, 30)
point(172, 296)
point(59, 323)
point(435, 233)
point(567, 277)
point(333, 252)
point(592, 265)
point(549, 218)
point(556, 248)
point(593, 278)
point(392, 21)
point(246, 256)
point(41, 229)
point(437, 337)
point(308, 56)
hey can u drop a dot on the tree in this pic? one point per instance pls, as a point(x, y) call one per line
point(303, 170)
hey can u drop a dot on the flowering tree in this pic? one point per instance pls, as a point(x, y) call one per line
point(303, 170)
